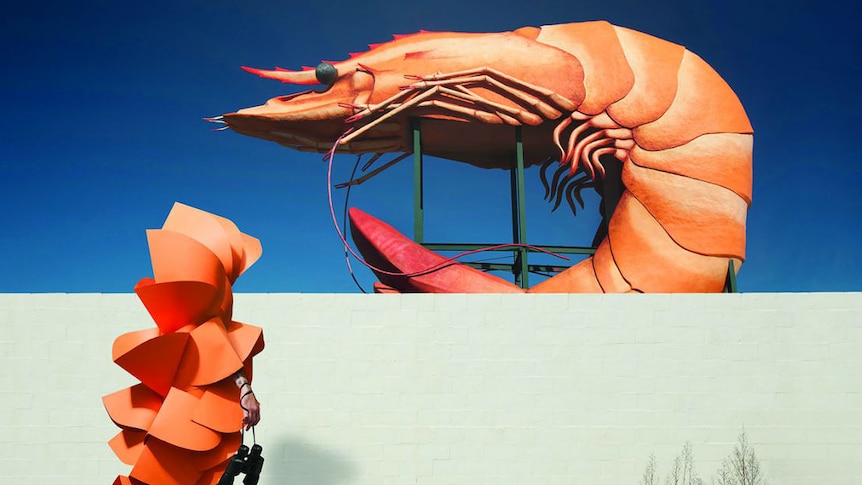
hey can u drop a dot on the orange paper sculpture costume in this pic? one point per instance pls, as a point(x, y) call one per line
point(182, 422)
point(648, 124)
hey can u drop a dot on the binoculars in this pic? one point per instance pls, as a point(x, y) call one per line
point(245, 461)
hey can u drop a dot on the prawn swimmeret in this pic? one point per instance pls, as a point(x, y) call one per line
point(647, 123)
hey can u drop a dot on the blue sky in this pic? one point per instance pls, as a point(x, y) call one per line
point(101, 132)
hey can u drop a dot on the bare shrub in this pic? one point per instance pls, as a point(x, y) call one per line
point(740, 468)
point(724, 475)
point(682, 472)
point(650, 476)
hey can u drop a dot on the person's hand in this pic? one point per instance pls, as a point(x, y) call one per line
point(250, 410)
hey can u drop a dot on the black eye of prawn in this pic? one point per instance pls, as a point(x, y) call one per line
point(325, 73)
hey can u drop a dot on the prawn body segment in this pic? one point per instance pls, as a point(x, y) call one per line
point(645, 122)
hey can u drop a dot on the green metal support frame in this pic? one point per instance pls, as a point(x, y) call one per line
point(519, 214)
point(520, 268)
point(418, 202)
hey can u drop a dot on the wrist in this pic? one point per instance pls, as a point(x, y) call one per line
point(240, 378)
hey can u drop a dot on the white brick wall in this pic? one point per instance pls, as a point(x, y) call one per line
point(471, 389)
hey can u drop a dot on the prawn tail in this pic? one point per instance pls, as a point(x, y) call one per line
point(676, 215)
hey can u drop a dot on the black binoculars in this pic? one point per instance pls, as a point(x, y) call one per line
point(245, 461)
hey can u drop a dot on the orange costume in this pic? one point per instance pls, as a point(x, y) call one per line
point(182, 422)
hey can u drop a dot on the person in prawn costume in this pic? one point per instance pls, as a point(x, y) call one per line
point(186, 417)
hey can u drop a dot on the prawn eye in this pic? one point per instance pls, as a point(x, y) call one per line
point(325, 73)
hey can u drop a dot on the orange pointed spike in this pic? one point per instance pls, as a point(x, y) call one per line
point(291, 77)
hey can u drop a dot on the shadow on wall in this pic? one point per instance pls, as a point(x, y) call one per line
point(298, 462)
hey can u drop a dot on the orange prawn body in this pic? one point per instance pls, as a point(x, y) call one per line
point(685, 144)
point(646, 122)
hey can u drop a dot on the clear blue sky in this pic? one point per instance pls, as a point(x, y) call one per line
point(101, 132)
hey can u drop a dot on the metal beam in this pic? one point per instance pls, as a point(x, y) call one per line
point(418, 199)
point(490, 247)
point(730, 283)
point(519, 213)
point(534, 268)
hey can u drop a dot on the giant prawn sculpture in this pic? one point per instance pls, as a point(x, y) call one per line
point(646, 122)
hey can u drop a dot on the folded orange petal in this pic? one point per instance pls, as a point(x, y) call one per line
point(209, 356)
point(128, 445)
point(216, 458)
point(251, 250)
point(247, 340)
point(178, 303)
point(174, 424)
point(133, 407)
point(163, 464)
point(205, 228)
point(219, 408)
point(177, 257)
point(236, 248)
point(150, 357)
